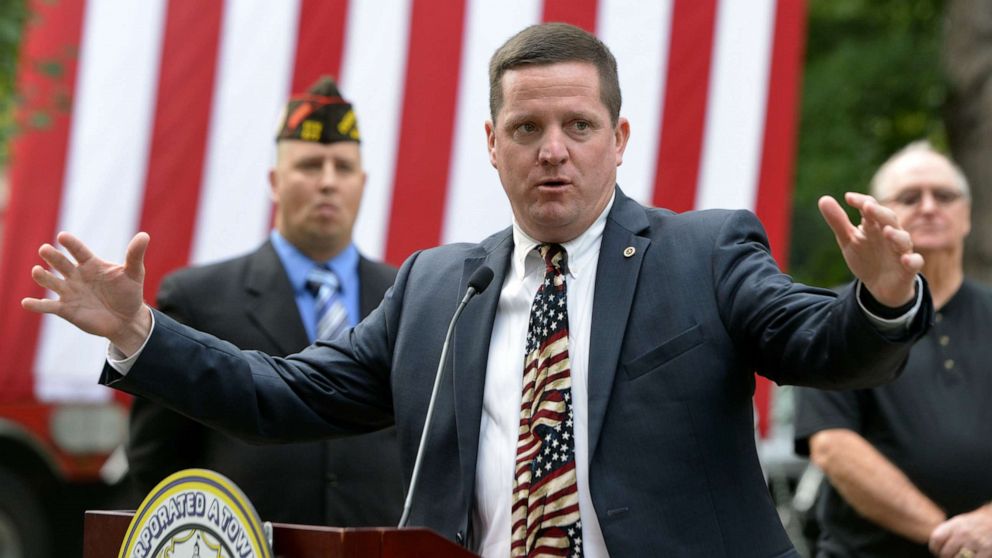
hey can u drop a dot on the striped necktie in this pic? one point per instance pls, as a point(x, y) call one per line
point(545, 512)
point(331, 315)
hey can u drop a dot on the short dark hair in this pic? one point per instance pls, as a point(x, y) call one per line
point(551, 43)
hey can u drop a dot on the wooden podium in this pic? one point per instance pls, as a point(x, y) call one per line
point(103, 532)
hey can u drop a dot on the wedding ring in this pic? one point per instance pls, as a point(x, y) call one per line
point(965, 553)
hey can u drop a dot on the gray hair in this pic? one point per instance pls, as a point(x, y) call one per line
point(881, 177)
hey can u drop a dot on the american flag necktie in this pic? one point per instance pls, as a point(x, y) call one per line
point(545, 512)
point(332, 317)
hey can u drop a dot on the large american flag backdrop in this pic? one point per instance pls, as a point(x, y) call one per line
point(158, 115)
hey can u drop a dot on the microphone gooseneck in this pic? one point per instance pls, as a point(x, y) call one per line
point(476, 284)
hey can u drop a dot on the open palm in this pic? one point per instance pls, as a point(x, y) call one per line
point(99, 297)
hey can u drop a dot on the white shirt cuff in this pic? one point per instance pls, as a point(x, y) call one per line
point(893, 325)
point(121, 362)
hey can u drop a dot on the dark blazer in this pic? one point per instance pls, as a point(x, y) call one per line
point(249, 302)
point(678, 328)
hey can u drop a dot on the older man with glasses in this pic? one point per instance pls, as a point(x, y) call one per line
point(909, 464)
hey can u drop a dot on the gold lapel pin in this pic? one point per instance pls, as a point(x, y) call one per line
point(629, 251)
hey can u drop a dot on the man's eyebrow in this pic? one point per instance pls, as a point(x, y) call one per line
point(511, 120)
point(307, 159)
point(582, 115)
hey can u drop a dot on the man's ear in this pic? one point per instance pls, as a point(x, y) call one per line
point(491, 142)
point(272, 184)
point(622, 135)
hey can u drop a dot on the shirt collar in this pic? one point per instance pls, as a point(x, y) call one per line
point(297, 264)
point(580, 249)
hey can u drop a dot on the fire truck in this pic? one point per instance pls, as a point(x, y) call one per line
point(159, 116)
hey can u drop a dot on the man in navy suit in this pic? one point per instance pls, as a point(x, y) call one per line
point(261, 301)
point(668, 317)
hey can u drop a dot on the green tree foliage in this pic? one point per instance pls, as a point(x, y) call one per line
point(13, 14)
point(872, 83)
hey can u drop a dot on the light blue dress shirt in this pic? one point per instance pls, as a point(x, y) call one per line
point(297, 265)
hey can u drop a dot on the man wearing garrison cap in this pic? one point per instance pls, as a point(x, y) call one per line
point(307, 281)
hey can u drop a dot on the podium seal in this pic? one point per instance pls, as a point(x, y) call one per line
point(195, 513)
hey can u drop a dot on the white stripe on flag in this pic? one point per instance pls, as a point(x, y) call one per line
point(735, 122)
point(105, 171)
point(639, 40)
point(476, 204)
point(372, 77)
point(258, 40)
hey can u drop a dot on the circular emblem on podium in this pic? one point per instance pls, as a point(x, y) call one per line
point(195, 513)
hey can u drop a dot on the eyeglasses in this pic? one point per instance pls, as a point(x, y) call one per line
point(914, 196)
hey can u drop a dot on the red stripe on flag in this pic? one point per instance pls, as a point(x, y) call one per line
point(46, 81)
point(426, 127)
point(581, 13)
point(179, 135)
point(774, 199)
point(683, 118)
point(319, 42)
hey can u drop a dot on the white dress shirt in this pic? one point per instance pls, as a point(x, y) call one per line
point(500, 426)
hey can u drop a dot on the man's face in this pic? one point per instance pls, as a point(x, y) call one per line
point(921, 189)
point(317, 189)
point(555, 149)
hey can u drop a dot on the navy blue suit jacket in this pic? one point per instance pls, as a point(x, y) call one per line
point(678, 329)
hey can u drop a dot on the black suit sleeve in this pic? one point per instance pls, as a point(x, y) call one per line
point(791, 340)
point(161, 441)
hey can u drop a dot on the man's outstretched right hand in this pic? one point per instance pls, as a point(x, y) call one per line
point(99, 297)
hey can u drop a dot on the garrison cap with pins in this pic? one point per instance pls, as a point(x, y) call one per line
point(319, 115)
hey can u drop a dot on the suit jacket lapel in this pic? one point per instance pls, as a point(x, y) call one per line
point(276, 316)
point(374, 279)
point(471, 351)
point(616, 280)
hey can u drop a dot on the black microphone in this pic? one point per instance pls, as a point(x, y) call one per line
point(476, 284)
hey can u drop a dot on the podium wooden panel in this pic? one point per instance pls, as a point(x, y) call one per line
point(103, 532)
